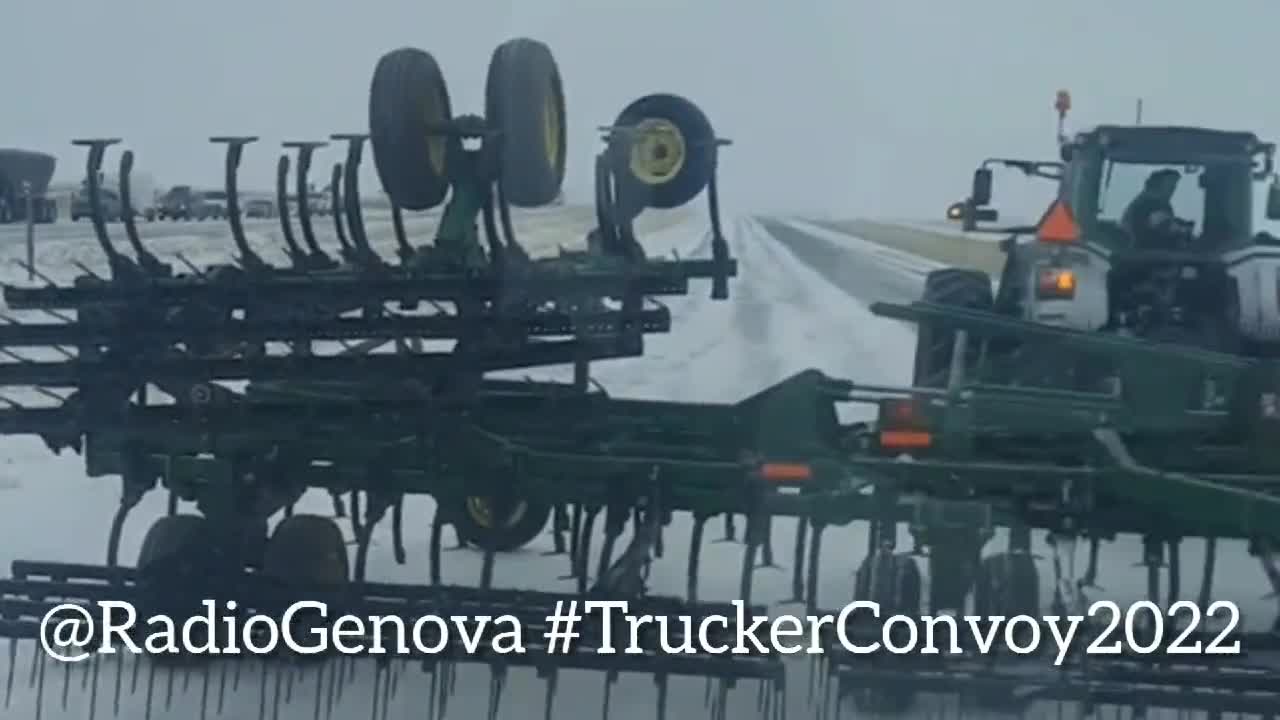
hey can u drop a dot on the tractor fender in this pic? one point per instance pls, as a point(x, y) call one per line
point(1257, 280)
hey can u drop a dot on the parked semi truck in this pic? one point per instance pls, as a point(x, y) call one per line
point(24, 182)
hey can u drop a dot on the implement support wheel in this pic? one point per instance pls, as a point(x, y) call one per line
point(893, 581)
point(1007, 584)
point(672, 151)
point(525, 101)
point(178, 566)
point(308, 550)
point(476, 524)
point(407, 97)
point(173, 542)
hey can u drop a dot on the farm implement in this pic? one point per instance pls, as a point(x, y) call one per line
point(328, 374)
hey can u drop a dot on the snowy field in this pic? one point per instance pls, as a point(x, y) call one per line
point(799, 302)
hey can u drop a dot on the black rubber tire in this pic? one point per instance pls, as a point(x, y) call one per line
point(524, 99)
point(169, 537)
point(308, 550)
point(894, 582)
point(408, 93)
point(696, 135)
point(175, 574)
point(953, 287)
point(1007, 584)
point(530, 518)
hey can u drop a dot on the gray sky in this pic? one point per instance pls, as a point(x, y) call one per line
point(840, 106)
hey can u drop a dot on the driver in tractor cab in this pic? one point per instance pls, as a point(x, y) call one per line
point(1149, 217)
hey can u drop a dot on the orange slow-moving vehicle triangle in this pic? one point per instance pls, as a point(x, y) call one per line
point(1057, 225)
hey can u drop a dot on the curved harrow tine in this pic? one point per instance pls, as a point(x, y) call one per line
point(306, 149)
point(351, 198)
point(335, 193)
point(146, 259)
point(235, 148)
point(403, 249)
point(296, 255)
point(118, 264)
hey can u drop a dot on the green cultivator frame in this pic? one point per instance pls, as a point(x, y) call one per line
point(344, 391)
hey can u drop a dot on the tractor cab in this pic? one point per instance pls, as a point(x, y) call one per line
point(1089, 264)
point(1215, 173)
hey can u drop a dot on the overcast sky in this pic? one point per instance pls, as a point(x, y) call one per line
point(847, 107)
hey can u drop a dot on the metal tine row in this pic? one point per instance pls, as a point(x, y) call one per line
point(328, 684)
point(345, 189)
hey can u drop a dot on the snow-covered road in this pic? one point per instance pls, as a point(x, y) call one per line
point(799, 302)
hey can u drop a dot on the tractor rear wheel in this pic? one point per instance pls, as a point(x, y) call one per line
point(478, 526)
point(524, 99)
point(893, 581)
point(953, 287)
point(408, 95)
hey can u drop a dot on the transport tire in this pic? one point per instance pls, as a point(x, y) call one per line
point(408, 94)
point(672, 155)
point(893, 581)
point(169, 538)
point(308, 550)
point(524, 99)
point(952, 287)
point(1007, 584)
point(176, 572)
point(476, 525)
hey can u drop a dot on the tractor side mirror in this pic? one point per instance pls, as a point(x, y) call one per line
point(981, 193)
point(1273, 200)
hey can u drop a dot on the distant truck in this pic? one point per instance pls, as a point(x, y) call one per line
point(23, 172)
point(259, 208)
point(141, 195)
point(182, 202)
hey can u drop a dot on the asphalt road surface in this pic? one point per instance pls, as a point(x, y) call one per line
point(799, 302)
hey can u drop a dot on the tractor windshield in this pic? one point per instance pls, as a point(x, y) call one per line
point(1214, 199)
point(1123, 182)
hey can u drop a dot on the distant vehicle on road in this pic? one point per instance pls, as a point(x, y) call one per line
point(182, 202)
point(259, 208)
point(141, 194)
point(82, 208)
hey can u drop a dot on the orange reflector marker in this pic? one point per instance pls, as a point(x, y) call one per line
point(1057, 225)
point(905, 439)
point(1062, 103)
point(786, 472)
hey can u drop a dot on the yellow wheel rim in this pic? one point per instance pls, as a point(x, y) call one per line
point(433, 115)
point(481, 512)
point(551, 124)
point(658, 153)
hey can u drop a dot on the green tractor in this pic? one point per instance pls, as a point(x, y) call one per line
point(1214, 285)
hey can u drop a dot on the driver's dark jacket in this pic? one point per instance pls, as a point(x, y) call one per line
point(1137, 220)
